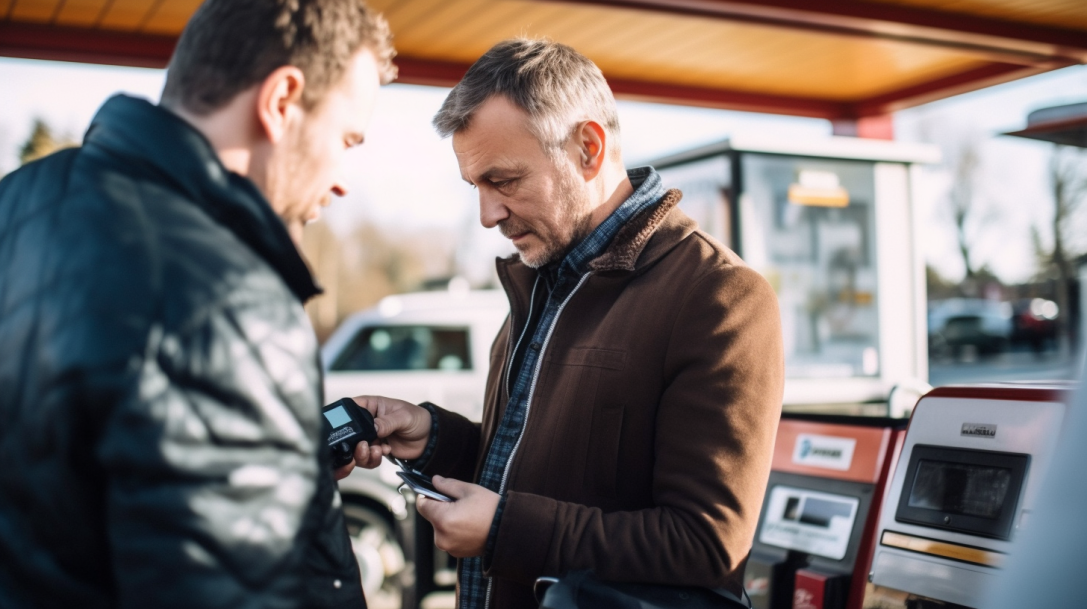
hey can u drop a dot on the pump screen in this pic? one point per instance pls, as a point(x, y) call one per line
point(971, 491)
point(960, 488)
point(338, 417)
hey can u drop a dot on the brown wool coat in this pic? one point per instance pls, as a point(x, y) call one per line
point(648, 443)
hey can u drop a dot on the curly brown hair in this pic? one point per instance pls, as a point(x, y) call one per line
point(230, 45)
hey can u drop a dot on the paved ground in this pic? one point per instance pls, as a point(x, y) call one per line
point(1011, 366)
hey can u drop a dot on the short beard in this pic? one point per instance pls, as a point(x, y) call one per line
point(575, 208)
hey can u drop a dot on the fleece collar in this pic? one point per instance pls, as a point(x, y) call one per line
point(646, 237)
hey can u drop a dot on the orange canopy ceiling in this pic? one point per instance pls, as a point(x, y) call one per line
point(836, 59)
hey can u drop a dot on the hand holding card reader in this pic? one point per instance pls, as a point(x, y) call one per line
point(345, 425)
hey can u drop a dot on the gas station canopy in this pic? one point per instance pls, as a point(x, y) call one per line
point(837, 59)
point(1066, 125)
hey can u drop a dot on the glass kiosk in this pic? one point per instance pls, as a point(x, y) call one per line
point(830, 225)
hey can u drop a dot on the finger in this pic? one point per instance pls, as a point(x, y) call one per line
point(375, 454)
point(392, 421)
point(451, 487)
point(369, 402)
point(424, 506)
point(364, 455)
point(344, 471)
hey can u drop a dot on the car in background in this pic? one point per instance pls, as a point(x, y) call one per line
point(1034, 322)
point(425, 346)
point(961, 326)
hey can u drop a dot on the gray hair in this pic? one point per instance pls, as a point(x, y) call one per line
point(554, 84)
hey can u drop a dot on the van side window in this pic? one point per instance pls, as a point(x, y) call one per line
point(406, 348)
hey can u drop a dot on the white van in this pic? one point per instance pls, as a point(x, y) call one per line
point(426, 346)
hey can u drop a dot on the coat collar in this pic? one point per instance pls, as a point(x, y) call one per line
point(166, 145)
point(647, 236)
point(642, 241)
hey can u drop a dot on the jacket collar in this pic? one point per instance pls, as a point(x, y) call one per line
point(647, 236)
point(643, 240)
point(166, 145)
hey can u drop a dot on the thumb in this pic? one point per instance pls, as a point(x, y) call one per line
point(451, 487)
point(391, 422)
point(427, 507)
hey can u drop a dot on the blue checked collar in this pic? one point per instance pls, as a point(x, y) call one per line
point(648, 190)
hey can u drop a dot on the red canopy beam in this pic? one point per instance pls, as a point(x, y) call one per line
point(971, 80)
point(998, 40)
point(110, 47)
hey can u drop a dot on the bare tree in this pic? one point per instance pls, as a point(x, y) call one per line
point(42, 142)
point(370, 262)
point(1068, 179)
point(964, 167)
point(964, 205)
point(5, 146)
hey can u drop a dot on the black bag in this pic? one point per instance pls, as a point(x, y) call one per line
point(582, 590)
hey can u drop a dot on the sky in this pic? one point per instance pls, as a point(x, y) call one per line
point(405, 177)
point(1013, 191)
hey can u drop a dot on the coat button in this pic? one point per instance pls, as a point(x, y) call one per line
point(337, 584)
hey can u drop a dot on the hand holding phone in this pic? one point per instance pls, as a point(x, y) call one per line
point(421, 484)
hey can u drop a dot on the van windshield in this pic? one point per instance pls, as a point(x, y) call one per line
point(406, 348)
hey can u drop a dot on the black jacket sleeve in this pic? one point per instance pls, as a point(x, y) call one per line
point(213, 470)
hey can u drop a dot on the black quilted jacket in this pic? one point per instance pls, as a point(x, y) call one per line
point(159, 385)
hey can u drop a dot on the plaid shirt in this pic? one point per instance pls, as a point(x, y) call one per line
point(560, 283)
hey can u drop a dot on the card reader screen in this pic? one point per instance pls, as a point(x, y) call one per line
point(966, 489)
point(337, 417)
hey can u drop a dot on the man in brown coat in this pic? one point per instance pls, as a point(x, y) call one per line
point(635, 389)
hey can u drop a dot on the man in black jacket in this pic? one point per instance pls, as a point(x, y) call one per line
point(159, 383)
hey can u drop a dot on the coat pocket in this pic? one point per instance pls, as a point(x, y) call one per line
point(593, 357)
point(587, 421)
point(603, 461)
point(605, 367)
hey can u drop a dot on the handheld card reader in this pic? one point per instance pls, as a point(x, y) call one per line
point(345, 425)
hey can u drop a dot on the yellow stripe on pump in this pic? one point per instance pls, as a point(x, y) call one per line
point(942, 549)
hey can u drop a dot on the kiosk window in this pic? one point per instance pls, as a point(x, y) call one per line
point(970, 491)
point(809, 226)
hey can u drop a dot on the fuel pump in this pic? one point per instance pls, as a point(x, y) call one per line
point(964, 487)
point(814, 540)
